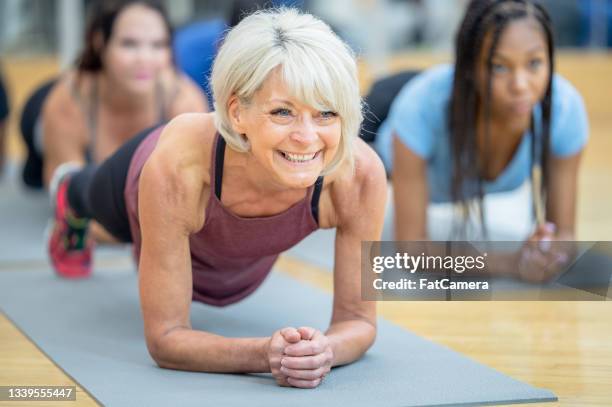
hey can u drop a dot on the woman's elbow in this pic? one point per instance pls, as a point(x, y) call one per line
point(158, 350)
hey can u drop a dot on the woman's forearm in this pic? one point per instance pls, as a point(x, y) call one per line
point(191, 350)
point(188, 349)
point(350, 340)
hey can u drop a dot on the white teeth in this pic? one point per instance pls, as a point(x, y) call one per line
point(298, 157)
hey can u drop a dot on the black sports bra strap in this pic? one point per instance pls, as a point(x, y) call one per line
point(219, 157)
point(316, 194)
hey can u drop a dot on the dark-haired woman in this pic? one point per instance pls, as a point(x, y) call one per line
point(123, 82)
point(458, 133)
point(496, 118)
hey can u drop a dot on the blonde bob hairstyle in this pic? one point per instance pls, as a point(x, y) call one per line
point(316, 65)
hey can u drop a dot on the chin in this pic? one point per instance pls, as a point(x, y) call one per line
point(299, 182)
point(140, 86)
point(516, 120)
point(521, 122)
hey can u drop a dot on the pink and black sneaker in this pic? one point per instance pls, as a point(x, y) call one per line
point(70, 247)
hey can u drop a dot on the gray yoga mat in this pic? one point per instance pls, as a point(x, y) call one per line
point(93, 330)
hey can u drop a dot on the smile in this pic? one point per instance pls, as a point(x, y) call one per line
point(298, 158)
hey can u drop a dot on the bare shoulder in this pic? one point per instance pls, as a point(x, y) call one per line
point(185, 95)
point(61, 103)
point(62, 115)
point(179, 166)
point(191, 127)
point(359, 191)
point(186, 142)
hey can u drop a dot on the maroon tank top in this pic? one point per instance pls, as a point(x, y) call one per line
point(230, 255)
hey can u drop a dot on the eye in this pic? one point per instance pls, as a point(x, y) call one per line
point(160, 44)
point(281, 112)
point(328, 115)
point(128, 43)
point(535, 63)
point(498, 68)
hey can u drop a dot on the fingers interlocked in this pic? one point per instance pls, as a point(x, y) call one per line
point(306, 358)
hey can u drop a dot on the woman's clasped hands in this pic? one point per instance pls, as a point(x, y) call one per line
point(299, 357)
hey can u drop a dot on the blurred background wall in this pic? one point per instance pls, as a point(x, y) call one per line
point(35, 27)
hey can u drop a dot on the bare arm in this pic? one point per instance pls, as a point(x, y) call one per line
point(356, 209)
point(360, 205)
point(171, 207)
point(562, 192)
point(410, 193)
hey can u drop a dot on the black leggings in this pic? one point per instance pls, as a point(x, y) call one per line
point(31, 113)
point(378, 102)
point(96, 192)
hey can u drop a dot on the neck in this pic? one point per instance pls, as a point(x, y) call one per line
point(502, 132)
point(495, 151)
point(255, 176)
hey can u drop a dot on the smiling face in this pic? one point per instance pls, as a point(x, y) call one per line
point(138, 48)
point(291, 142)
point(519, 74)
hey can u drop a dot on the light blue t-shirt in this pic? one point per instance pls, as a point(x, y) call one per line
point(418, 116)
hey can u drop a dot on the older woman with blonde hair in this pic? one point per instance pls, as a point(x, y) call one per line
point(208, 222)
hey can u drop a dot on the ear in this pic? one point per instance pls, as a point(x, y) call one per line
point(236, 114)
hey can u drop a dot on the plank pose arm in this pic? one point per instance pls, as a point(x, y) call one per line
point(357, 211)
point(171, 204)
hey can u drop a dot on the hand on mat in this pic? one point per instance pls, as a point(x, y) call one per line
point(539, 260)
point(306, 362)
point(276, 348)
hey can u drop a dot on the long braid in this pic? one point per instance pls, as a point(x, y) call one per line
point(546, 105)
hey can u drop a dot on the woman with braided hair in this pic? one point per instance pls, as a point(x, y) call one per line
point(494, 119)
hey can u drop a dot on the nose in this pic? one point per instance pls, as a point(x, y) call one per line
point(520, 82)
point(305, 130)
point(143, 54)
